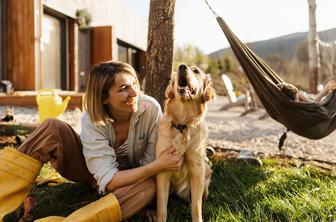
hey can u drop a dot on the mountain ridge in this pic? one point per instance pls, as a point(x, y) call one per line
point(284, 45)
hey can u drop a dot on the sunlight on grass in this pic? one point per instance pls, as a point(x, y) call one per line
point(47, 170)
point(237, 193)
point(270, 162)
point(275, 194)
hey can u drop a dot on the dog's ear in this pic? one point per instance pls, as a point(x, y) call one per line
point(208, 92)
point(170, 90)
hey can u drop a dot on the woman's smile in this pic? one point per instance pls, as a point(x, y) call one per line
point(131, 102)
point(123, 96)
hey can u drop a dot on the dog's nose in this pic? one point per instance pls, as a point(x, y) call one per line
point(182, 67)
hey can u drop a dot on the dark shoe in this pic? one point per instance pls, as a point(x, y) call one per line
point(248, 157)
point(210, 151)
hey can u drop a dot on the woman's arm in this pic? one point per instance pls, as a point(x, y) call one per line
point(167, 161)
point(100, 157)
point(101, 160)
point(303, 97)
point(328, 88)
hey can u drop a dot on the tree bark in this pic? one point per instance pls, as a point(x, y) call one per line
point(160, 48)
point(313, 48)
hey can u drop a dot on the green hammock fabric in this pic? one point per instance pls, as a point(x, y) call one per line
point(310, 120)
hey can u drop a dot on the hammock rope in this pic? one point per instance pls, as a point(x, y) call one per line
point(215, 14)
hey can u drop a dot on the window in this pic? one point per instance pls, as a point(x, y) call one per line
point(122, 53)
point(52, 37)
point(128, 54)
point(55, 50)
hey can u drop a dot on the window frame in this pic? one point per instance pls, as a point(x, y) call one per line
point(65, 49)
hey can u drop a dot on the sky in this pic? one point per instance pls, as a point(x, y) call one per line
point(250, 20)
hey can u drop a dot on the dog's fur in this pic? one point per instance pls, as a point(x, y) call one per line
point(182, 126)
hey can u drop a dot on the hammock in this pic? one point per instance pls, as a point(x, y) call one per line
point(310, 120)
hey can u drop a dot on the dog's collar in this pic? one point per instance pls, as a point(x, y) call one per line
point(179, 127)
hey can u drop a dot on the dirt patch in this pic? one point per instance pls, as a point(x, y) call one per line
point(230, 155)
point(229, 130)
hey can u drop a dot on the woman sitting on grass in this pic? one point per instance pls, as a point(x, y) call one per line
point(114, 153)
point(291, 92)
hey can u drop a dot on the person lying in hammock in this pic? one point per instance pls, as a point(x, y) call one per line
point(294, 94)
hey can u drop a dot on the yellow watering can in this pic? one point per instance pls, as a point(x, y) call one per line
point(50, 105)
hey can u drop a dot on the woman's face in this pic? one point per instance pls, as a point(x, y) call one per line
point(123, 95)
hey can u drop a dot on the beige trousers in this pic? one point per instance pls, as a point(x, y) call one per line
point(57, 142)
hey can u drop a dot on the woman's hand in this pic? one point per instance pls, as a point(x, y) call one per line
point(169, 160)
point(330, 86)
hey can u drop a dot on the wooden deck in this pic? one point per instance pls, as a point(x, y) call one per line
point(28, 98)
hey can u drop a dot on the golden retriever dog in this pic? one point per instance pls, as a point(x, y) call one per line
point(182, 126)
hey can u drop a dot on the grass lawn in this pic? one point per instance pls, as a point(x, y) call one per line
point(237, 193)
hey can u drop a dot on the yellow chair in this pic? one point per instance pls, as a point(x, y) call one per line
point(50, 104)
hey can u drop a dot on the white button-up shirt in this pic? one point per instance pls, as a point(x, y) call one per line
point(104, 160)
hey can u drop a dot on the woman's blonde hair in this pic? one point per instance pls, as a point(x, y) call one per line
point(101, 79)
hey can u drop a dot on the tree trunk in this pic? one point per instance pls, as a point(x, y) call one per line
point(313, 48)
point(160, 48)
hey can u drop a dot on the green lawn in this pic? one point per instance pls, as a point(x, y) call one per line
point(237, 193)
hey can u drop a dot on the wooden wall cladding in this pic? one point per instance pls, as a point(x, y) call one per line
point(101, 44)
point(19, 44)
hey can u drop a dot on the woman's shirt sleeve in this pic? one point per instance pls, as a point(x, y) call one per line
point(100, 157)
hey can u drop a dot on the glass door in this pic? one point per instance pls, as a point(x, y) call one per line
point(53, 52)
